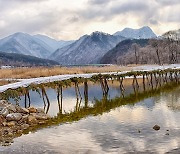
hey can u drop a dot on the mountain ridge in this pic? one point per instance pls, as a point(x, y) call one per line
point(15, 59)
point(88, 49)
point(111, 56)
point(144, 32)
point(54, 44)
point(26, 44)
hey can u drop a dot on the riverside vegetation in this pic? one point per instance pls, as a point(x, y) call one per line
point(34, 72)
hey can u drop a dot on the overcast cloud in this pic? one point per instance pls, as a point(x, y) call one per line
point(69, 19)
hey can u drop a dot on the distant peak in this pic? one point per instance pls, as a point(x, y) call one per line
point(98, 33)
point(19, 34)
point(144, 27)
point(44, 36)
point(82, 37)
point(144, 32)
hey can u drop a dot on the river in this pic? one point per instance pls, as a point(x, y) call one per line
point(127, 128)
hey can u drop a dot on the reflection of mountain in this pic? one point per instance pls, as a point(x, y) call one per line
point(149, 103)
point(174, 106)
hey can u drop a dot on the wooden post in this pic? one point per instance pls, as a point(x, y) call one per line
point(106, 85)
point(25, 100)
point(29, 99)
point(151, 80)
point(144, 85)
point(147, 79)
point(47, 99)
point(122, 89)
point(156, 80)
point(59, 98)
point(102, 86)
point(43, 98)
point(86, 93)
point(78, 95)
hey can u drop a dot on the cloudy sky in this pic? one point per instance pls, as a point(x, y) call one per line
point(69, 19)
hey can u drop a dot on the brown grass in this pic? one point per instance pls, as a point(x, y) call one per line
point(25, 73)
point(4, 82)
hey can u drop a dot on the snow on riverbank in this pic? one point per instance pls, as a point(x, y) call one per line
point(156, 67)
point(27, 82)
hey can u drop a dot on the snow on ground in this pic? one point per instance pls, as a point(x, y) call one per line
point(155, 67)
point(27, 82)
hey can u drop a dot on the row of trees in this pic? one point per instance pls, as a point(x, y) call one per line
point(158, 51)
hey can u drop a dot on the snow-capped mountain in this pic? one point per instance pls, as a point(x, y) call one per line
point(26, 44)
point(87, 50)
point(54, 44)
point(174, 34)
point(142, 33)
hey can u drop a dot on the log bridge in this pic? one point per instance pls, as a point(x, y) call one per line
point(150, 79)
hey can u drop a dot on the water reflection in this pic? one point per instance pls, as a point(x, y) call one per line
point(123, 129)
point(72, 100)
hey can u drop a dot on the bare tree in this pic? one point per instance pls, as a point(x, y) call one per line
point(136, 49)
point(155, 45)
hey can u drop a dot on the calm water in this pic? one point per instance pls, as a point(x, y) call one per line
point(124, 129)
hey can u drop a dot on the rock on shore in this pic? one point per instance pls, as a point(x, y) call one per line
point(15, 119)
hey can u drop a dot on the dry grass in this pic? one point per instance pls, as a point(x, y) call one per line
point(4, 82)
point(25, 73)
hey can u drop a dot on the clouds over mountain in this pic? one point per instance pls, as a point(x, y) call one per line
point(68, 19)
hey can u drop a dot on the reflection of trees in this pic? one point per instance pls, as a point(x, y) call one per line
point(173, 100)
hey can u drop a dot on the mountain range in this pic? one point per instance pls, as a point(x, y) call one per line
point(141, 33)
point(38, 45)
point(88, 49)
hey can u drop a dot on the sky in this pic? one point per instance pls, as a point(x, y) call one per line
point(70, 19)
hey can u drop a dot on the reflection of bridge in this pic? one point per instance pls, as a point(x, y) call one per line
point(105, 104)
point(150, 80)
